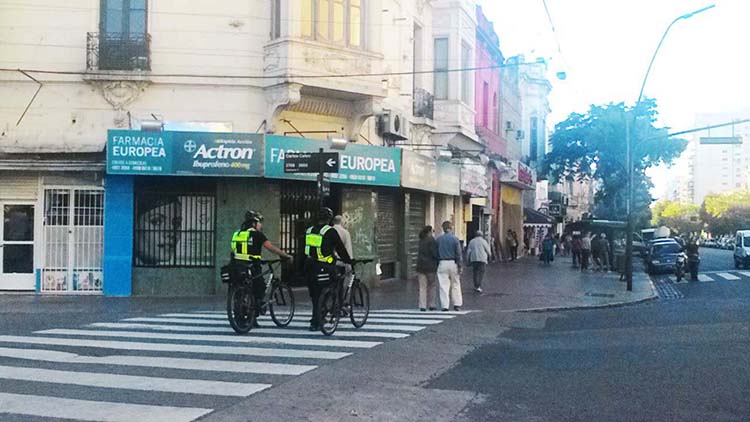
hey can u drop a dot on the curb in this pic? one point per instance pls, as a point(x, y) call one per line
point(654, 295)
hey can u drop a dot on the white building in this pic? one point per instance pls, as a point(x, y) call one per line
point(288, 67)
point(721, 158)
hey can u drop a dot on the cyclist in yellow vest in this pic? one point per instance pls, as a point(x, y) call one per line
point(321, 240)
point(247, 245)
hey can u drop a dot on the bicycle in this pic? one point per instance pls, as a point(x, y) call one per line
point(335, 301)
point(278, 298)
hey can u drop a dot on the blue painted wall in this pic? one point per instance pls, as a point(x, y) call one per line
point(118, 235)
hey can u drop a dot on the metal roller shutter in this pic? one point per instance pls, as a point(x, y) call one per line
point(15, 185)
point(387, 232)
point(415, 224)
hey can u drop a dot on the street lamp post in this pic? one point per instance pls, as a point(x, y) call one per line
point(628, 147)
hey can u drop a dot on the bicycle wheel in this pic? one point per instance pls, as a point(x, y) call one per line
point(329, 311)
point(360, 304)
point(240, 308)
point(281, 304)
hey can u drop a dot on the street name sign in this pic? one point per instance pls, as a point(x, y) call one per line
point(311, 162)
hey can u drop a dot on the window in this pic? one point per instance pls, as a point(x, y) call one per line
point(466, 75)
point(174, 226)
point(485, 105)
point(441, 67)
point(122, 42)
point(337, 21)
point(123, 17)
point(496, 114)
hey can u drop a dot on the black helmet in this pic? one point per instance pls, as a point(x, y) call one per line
point(325, 213)
point(253, 216)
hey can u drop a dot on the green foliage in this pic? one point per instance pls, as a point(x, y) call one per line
point(724, 213)
point(592, 146)
point(681, 218)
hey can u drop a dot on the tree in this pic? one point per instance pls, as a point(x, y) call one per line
point(724, 213)
point(592, 146)
point(680, 217)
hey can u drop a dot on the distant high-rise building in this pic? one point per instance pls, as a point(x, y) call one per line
point(720, 157)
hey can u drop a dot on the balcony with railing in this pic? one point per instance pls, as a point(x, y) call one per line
point(118, 52)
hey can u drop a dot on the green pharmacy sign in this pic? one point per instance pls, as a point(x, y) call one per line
point(184, 153)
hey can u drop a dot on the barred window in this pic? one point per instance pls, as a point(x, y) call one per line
point(174, 229)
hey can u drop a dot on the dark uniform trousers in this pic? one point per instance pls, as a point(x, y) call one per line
point(258, 284)
point(319, 275)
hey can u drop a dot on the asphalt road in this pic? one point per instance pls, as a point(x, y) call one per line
point(716, 259)
point(680, 359)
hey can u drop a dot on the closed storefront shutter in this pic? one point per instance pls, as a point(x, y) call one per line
point(414, 226)
point(18, 185)
point(387, 233)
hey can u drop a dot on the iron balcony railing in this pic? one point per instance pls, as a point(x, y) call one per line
point(424, 103)
point(118, 51)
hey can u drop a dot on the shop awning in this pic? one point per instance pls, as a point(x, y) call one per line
point(534, 217)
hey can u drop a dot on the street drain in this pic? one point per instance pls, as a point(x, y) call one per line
point(599, 294)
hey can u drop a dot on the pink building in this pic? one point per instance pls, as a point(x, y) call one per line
point(487, 97)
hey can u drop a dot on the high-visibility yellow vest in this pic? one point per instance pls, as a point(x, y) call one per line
point(315, 240)
point(239, 245)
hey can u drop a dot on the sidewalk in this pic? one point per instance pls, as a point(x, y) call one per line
point(527, 285)
point(524, 285)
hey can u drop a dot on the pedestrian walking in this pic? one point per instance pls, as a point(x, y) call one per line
point(604, 253)
point(427, 265)
point(548, 249)
point(575, 249)
point(585, 251)
point(478, 253)
point(449, 268)
point(509, 244)
point(596, 260)
point(514, 244)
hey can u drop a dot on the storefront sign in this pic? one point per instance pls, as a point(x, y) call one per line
point(424, 173)
point(359, 164)
point(474, 179)
point(184, 153)
point(519, 176)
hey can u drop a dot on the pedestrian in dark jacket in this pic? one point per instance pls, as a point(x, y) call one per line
point(576, 249)
point(427, 264)
point(548, 249)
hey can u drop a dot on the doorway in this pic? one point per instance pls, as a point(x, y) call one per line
point(17, 246)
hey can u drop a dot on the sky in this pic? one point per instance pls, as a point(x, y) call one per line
point(605, 46)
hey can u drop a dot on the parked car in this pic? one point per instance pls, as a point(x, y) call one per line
point(663, 256)
point(742, 249)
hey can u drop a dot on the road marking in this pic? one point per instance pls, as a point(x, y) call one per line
point(158, 362)
point(324, 342)
point(703, 278)
point(131, 382)
point(54, 407)
point(211, 321)
point(683, 281)
point(744, 273)
point(430, 313)
point(228, 330)
point(367, 327)
point(387, 315)
point(728, 276)
point(309, 313)
point(176, 347)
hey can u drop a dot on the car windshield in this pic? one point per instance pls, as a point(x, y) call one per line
point(745, 241)
point(666, 248)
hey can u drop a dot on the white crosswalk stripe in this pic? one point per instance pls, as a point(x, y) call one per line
point(728, 276)
point(703, 278)
point(744, 273)
point(228, 330)
point(193, 353)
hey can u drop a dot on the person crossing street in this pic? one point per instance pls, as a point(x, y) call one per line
point(449, 268)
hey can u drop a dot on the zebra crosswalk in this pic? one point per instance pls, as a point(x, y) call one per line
point(174, 366)
point(718, 276)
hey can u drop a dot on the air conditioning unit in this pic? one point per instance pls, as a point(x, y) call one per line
point(520, 134)
point(393, 125)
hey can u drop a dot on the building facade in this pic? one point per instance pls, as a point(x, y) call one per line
point(127, 84)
